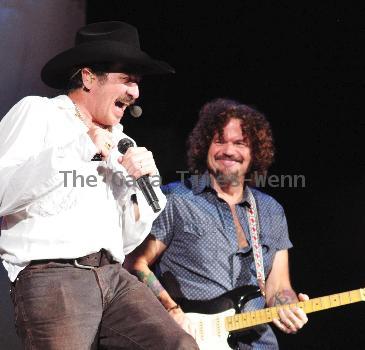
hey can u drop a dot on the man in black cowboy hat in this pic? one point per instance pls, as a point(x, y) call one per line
point(68, 222)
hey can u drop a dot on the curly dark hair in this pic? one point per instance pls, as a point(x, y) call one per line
point(213, 117)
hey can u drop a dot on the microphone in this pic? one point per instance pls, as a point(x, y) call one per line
point(143, 182)
point(135, 111)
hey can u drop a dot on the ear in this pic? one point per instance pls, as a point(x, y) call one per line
point(87, 78)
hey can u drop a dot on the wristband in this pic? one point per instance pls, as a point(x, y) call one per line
point(177, 306)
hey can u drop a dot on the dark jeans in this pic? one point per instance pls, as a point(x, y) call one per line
point(59, 306)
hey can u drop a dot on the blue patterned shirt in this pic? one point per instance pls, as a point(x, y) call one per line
point(202, 248)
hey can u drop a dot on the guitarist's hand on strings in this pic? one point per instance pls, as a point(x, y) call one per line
point(280, 294)
point(292, 319)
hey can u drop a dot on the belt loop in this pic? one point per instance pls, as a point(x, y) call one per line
point(83, 266)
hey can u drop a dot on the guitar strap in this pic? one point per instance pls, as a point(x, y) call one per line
point(254, 228)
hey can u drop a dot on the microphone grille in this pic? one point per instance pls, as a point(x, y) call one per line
point(124, 144)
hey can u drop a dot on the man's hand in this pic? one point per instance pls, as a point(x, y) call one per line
point(138, 161)
point(293, 319)
point(102, 139)
point(183, 321)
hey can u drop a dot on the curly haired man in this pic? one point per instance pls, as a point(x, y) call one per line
point(205, 238)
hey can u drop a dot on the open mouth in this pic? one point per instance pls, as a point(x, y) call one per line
point(120, 104)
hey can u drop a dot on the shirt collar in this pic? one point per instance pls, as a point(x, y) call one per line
point(63, 101)
point(202, 183)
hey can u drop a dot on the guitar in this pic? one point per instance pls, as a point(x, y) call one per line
point(215, 320)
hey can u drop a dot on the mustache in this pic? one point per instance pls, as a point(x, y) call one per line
point(232, 158)
point(127, 100)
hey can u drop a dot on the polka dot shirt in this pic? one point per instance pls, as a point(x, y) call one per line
point(203, 256)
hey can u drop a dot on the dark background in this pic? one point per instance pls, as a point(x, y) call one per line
point(302, 65)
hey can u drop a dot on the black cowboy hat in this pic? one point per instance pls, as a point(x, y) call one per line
point(102, 42)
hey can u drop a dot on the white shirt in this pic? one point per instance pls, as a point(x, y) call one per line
point(48, 213)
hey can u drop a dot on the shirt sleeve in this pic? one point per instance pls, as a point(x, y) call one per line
point(279, 228)
point(28, 169)
point(163, 226)
point(134, 232)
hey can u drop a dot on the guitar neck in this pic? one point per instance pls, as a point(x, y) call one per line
point(253, 318)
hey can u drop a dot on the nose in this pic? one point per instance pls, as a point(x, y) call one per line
point(228, 148)
point(133, 91)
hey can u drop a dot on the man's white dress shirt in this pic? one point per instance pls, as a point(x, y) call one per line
point(50, 204)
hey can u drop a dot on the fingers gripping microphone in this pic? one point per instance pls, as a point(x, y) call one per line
point(143, 182)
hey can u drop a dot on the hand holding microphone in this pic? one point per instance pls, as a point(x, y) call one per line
point(139, 163)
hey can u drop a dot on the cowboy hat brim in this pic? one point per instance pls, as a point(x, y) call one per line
point(56, 72)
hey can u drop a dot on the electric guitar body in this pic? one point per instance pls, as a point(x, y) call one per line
point(217, 320)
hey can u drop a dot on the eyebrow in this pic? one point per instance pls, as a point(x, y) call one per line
point(131, 77)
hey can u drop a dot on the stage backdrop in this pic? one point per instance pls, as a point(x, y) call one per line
point(301, 63)
point(32, 31)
